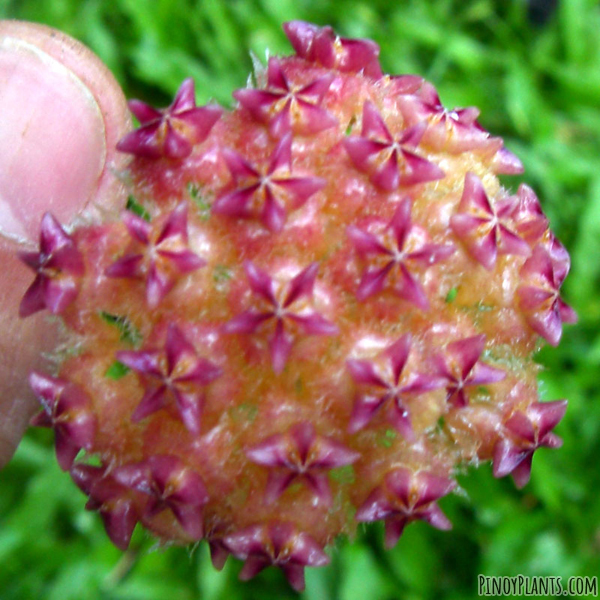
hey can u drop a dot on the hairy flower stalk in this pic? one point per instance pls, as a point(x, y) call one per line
point(313, 312)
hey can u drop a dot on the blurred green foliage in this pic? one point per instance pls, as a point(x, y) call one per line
point(539, 87)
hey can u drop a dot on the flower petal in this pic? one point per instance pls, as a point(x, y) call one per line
point(363, 372)
point(418, 170)
point(311, 119)
point(400, 223)
point(377, 506)
point(235, 203)
point(247, 322)
point(189, 405)
point(364, 410)
point(394, 528)
point(175, 225)
point(372, 282)
point(280, 347)
point(314, 324)
point(238, 166)
point(365, 243)
point(398, 354)
point(548, 415)
point(260, 283)
point(59, 292)
point(373, 125)
point(387, 175)
point(153, 400)
point(281, 159)
point(410, 289)
point(129, 266)
point(143, 112)
point(272, 452)
point(258, 102)
point(34, 298)
point(506, 458)
point(300, 189)
point(399, 418)
point(302, 285)
point(185, 261)
point(466, 352)
point(273, 214)
point(362, 151)
point(277, 483)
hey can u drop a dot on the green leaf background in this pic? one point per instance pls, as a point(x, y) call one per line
point(536, 85)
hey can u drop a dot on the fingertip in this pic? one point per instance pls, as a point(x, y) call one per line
point(63, 113)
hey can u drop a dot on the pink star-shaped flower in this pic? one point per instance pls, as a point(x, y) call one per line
point(487, 230)
point(323, 46)
point(366, 375)
point(404, 497)
point(169, 484)
point(461, 368)
point(300, 454)
point(539, 299)
point(300, 291)
point(276, 543)
point(269, 196)
point(164, 254)
point(286, 107)
point(68, 410)
point(116, 503)
point(389, 162)
point(406, 252)
point(526, 432)
point(176, 371)
point(57, 266)
point(172, 132)
point(454, 131)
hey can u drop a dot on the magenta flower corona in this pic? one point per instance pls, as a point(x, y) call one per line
point(168, 484)
point(527, 431)
point(278, 544)
point(68, 410)
point(176, 371)
point(542, 306)
point(300, 454)
point(322, 45)
point(405, 497)
point(462, 369)
point(58, 266)
point(299, 291)
point(314, 311)
point(455, 130)
point(284, 107)
point(485, 230)
point(116, 504)
point(165, 257)
point(389, 162)
point(408, 252)
point(269, 193)
point(394, 395)
point(171, 133)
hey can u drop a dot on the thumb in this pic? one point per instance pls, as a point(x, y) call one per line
point(62, 113)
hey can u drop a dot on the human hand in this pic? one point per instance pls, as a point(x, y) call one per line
point(62, 113)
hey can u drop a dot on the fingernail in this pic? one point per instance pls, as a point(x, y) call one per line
point(53, 139)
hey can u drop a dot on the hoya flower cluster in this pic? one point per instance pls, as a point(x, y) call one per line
point(313, 311)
